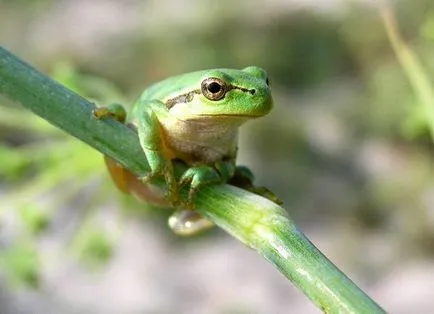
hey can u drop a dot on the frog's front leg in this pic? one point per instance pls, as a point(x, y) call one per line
point(114, 110)
point(203, 174)
point(154, 147)
point(186, 221)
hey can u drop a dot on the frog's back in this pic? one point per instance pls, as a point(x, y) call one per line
point(175, 85)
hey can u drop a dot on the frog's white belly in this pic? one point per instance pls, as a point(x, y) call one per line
point(205, 141)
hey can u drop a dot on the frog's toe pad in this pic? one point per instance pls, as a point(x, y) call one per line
point(186, 222)
point(263, 191)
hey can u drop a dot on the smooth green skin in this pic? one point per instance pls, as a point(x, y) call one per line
point(179, 119)
point(197, 127)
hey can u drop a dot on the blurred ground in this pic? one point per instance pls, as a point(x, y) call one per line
point(346, 148)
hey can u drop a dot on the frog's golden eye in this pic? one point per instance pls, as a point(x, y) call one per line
point(214, 88)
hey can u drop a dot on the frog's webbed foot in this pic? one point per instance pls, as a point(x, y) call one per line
point(186, 222)
point(162, 167)
point(196, 177)
point(243, 178)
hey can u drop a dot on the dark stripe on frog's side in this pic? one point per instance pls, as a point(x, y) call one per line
point(187, 97)
point(184, 98)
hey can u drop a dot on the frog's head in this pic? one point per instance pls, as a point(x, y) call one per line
point(227, 93)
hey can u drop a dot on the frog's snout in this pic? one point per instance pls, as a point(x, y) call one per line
point(265, 104)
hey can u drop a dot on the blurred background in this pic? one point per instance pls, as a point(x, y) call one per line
point(347, 148)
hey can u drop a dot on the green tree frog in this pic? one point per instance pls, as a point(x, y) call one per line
point(194, 118)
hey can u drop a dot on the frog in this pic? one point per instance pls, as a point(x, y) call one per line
point(192, 118)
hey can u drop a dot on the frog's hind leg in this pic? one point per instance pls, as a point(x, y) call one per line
point(187, 222)
point(243, 178)
point(120, 176)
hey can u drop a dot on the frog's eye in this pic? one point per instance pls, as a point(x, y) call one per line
point(214, 88)
point(267, 81)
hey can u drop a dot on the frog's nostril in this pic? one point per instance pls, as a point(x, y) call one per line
point(252, 91)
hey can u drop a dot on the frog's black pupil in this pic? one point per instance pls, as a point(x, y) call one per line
point(267, 81)
point(214, 87)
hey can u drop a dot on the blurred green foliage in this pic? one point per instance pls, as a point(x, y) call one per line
point(94, 247)
point(48, 161)
point(21, 264)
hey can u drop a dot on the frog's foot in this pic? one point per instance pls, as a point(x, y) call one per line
point(196, 177)
point(186, 222)
point(263, 191)
point(162, 167)
point(172, 195)
point(243, 178)
point(114, 110)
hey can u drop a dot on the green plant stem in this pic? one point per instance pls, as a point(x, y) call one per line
point(411, 65)
point(255, 221)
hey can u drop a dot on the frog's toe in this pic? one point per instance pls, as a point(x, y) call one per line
point(172, 186)
point(188, 178)
point(199, 175)
point(191, 194)
point(263, 191)
point(173, 198)
point(189, 203)
point(195, 178)
point(186, 222)
point(147, 178)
